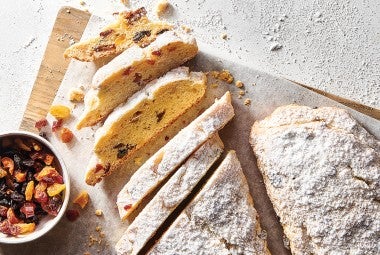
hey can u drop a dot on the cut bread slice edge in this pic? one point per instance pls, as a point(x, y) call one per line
point(177, 188)
point(165, 161)
point(221, 219)
point(148, 112)
point(130, 28)
point(129, 72)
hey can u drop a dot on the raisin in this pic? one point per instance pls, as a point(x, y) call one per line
point(109, 47)
point(28, 162)
point(106, 32)
point(127, 71)
point(140, 35)
point(160, 115)
point(123, 149)
point(17, 197)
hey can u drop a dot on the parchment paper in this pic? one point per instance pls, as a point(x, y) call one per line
point(266, 93)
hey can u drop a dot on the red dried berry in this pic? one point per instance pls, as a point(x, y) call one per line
point(72, 215)
point(40, 124)
point(57, 124)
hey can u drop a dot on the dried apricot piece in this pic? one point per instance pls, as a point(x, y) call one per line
point(20, 176)
point(82, 199)
point(29, 190)
point(60, 111)
point(66, 135)
point(8, 164)
point(55, 189)
point(26, 227)
point(48, 160)
point(3, 173)
point(49, 175)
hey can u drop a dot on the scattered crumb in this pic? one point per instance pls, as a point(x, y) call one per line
point(125, 2)
point(247, 101)
point(98, 212)
point(86, 253)
point(253, 84)
point(186, 29)
point(161, 7)
point(214, 85)
point(239, 84)
point(98, 228)
point(68, 11)
point(223, 75)
point(223, 36)
point(71, 42)
point(76, 95)
point(81, 199)
point(241, 92)
point(81, 2)
point(275, 46)
point(240, 96)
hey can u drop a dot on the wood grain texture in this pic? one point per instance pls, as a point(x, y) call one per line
point(69, 24)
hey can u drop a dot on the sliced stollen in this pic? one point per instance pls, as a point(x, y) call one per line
point(221, 218)
point(137, 122)
point(131, 28)
point(169, 197)
point(129, 72)
point(322, 173)
point(165, 161)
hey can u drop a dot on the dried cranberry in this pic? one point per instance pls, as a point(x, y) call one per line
point(28, 209)
point(40, 124)
point(127, 207)
point(57, 124)
point(72, 215)
point(53, 205)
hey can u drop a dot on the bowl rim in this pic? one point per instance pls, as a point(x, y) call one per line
point(34, 235)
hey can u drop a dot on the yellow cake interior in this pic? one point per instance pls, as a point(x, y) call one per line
point(148, 118)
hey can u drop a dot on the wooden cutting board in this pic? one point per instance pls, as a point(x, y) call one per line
point(70, 24)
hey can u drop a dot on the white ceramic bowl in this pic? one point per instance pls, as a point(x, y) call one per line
point(47, 222)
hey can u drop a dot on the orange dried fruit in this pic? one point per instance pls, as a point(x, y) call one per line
point(66, 135)
point(49, 175)
point(55, 189)
point(60, 111)
point(29, 190)
point(48, 159)
point(81, 199)
point(8, 164)
point(20, 176)
point(26, 227)
point(3, 173)
point(40, 194)
point(11, 216)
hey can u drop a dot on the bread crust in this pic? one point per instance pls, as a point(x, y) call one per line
point(322, 173)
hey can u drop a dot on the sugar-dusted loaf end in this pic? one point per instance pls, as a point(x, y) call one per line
point(321, 170)
point(168, 158)
point(115, 82)
point(131, 28)
point(178, 187)
point(147, 113)
point(221, 218)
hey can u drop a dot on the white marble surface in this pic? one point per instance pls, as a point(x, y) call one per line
point(330, 46)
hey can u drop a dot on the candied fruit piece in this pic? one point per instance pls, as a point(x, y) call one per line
point(40, 124)
point(60, 111)
point(57, 124)
point(48, 159)
point(53, 205)
point(3, 173)
point(40, 194)
point(3, 211)
point(11, 216)
point(8, 164)
point(55, 189)
point(82, 199)
point(26, 227)
point(76, 95)
point(9, 229)
point(28, 209)
point(66, 135)
point(29, 191)
point(36, 146)
point(20, 176)
point(49, 175)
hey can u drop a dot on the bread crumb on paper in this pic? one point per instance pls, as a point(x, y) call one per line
point(98, 212)
point(224, 36)
point(247, 101)
point(76, 95)
point(239, 84)
point(161, 7)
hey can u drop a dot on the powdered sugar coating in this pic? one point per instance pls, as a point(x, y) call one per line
point(169, 197)
point(168, 158)
point(222, 210)
point(322, 173)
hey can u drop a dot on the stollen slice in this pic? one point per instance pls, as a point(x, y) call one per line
point(220, 219)
point(321, 169)
point(178, 187)
point(165, 161)
point(142, 118)
point(129, 72)
point(131, 28)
